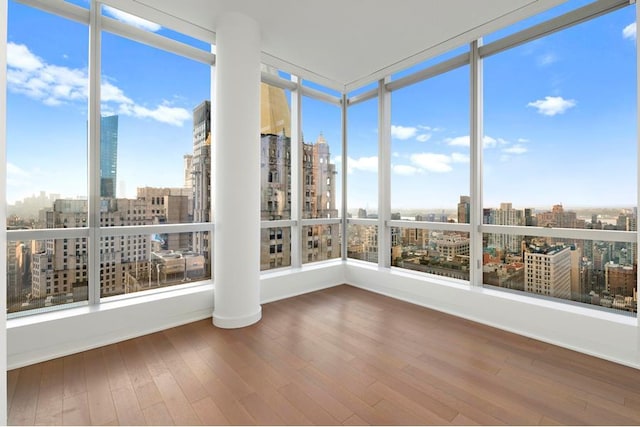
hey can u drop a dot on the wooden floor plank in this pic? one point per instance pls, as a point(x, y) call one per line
point(12, 382)
point(25, 400)
point(50, 396)
point(141, 380)
point(209, 413)
point(174, 399)
point(74, 379)
point(158, 415)
point(311, 410)
point(337, 356)
point(75, 410)
point(127, 407)
point(101, 407)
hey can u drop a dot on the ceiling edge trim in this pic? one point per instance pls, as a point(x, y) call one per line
point(533, 8)
point(301, 72)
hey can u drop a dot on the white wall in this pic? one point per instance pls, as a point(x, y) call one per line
point(37, 338)
point(602, 334)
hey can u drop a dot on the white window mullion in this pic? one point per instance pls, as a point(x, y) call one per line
point(384, 174)
point(476, 131)
point(637, 171)
point(343, 166)
point(3, 216)
point(296, 173)
point(93, 151)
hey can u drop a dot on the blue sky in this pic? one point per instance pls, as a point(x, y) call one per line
point(559, 124)
point(560, 118)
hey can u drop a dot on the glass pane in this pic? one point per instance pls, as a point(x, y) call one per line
point(591, 272)
point(320, 242)
point(362, 160)
point(142, 262)
point(566, 140)
point(362, 242)
point(430, 149)
point(275, 146)
point(46, 273)
point(155, 134)
point(321, 179)
point(46, 141)
point(275, 249)
point(444, 253)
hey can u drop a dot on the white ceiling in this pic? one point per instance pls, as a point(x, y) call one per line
point(347, 43)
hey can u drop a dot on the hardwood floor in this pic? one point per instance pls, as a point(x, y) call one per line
point(338, 356)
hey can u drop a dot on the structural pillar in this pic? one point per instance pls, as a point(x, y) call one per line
point(236, 171)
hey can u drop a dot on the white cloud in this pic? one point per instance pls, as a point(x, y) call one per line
point(459, 141)
point(629, 32)
point(162, 113)
point(395, 154)
point(406, 170)
point(547, 59)
point(488, 142)
point(552, 105)
point(523, 140)
point(19, 57)
point(403, 132)
point(132, 19)
point(14, 171)
point(53, 85)
point(432, 162)
point(459, 158)
point(365, 164)
point(515, 149)
point(465, 141)
point(505, 158)
point(424, 137)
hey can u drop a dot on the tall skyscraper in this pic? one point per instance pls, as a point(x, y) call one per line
point(506, 215)
point(464, 210)
point(201, 172)
point(108, 155)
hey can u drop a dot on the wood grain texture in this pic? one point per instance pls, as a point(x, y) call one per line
point(340, 356)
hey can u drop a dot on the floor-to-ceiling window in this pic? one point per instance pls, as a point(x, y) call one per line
point(430, 171)
point(47, 84)
point(362, 177)
point(124, 209)
point(560, 117)
point(321, 196)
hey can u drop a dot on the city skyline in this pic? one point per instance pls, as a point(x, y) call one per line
point(536, 128)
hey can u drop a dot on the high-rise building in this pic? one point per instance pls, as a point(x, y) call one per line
point(108, 155)
point(128, 263)
point(464, 210)
point(548, 271)
point(620, 279)
point(169, 206)
point(188, 171)
point(506, 215)
point(201, 172)
point(559, 218)
point(319, 242)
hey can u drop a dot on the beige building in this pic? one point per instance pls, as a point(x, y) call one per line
point(548, 271)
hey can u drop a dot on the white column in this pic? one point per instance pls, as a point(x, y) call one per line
point(3, 214)
point(236, 196)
